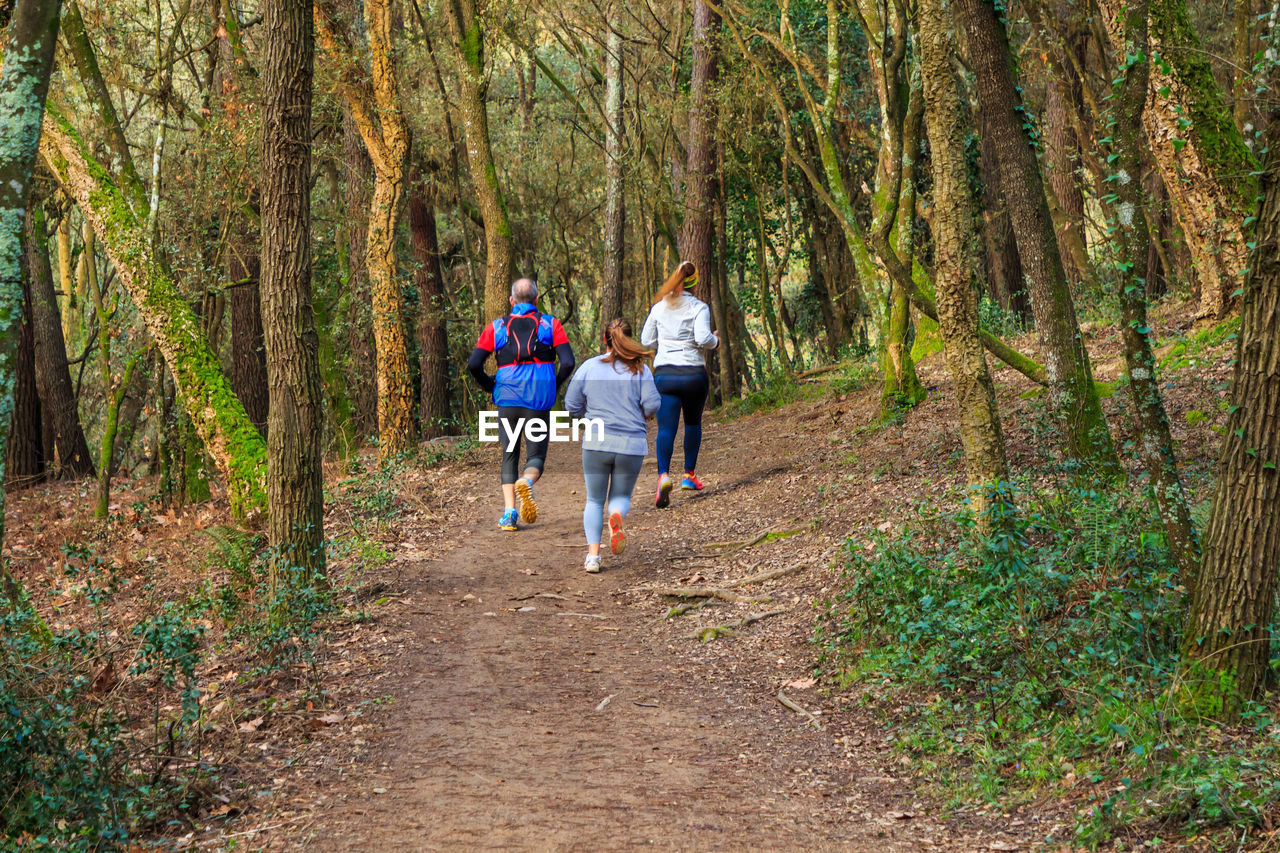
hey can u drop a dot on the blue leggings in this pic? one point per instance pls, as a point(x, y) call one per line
point(611, 477)
point(681, 392)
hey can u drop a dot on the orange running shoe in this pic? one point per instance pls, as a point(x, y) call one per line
point(691, 482)
point(617, 539)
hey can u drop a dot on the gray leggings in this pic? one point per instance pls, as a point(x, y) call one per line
point(609, 476)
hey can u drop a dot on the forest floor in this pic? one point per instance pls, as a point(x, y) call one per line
point(482, 691)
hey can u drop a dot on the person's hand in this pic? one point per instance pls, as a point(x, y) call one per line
point(687, 269)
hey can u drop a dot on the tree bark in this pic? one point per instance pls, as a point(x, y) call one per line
point(1129, 228)
point(1228, 635)
point(248, 351)
point(1073, 398)
point(1199, 150)
point(615, 190)
point(295, 432)
point(468, 41)
point(1004, 269)
point(433, 343)
point(1063, 99)
point(70, 456)
point(698, 232)
point(24, 82)
point(362, 366)
point(375, 108)
point(26, 463)
point(979, 419)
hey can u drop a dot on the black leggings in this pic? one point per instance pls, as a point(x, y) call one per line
point(537, 449)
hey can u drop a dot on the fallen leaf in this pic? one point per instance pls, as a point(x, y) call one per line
point(1002, 845)
point(251, 725)
point(900, 815)
point(802, 683)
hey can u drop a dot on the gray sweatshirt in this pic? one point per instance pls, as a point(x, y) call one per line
point(621, 399)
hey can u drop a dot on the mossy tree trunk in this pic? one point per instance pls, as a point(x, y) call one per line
point(978, 416)
point(373, 98)
point(1198, 148)
point(295, 428)
point(1227, 641)
point(900, 121)
point(219, 418)
point(468, 41)
point(1073, 397)
point(24, 82)
point(1128, 226)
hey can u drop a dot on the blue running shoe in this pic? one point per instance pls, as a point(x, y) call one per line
point(508, 520)
point(691, 481)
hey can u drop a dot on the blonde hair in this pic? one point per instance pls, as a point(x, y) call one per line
point(674, 285)
point(622, 347)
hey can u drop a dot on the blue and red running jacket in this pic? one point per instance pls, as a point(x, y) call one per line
point(526, 346)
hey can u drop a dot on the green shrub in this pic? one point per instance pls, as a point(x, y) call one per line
point(1047, 648)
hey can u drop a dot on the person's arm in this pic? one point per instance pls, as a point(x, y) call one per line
point(564, 353)
point(479, 355)
point(650, 399)
point(575, 398)
point(702, 334)
point(649, 334)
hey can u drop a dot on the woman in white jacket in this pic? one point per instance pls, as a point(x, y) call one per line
point(679, 325)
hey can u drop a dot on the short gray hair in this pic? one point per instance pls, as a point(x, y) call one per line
point(524, 290)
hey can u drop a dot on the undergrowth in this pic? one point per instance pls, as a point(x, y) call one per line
point(1042, 661)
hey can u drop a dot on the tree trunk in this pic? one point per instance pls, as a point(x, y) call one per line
point(375, 108)
point(26, 463)
point(433, 343)
point(1129, 226)
point(1228, 633)
point(1199, 150)
point(1063, 99)
point(468, 40)
point(219, 418)
point(24, 82)
point(248, 352)
point(615, 190)
point(296, 428)
point(1073, 398)
point(1004, 269)
point(979, 419)
point(70, 457)
point(362, 387)
point(698, 233)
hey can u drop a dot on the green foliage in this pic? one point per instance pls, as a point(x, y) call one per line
point(1189, 352)
point(1046, 654)
point(76, 776)
point(775, 391)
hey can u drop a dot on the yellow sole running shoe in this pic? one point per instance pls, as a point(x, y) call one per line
point(617, 539)
point(524, 500)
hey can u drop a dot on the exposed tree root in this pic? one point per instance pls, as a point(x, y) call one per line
point(782, 697)
point(706, 635)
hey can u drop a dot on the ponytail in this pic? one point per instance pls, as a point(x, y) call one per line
point(673, 287)
point(622, 347)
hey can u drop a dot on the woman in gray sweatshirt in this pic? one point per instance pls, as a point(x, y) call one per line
point(617, 389)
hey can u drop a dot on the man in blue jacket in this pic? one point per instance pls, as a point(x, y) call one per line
point(533, 356)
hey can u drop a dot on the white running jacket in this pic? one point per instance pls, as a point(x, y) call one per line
point(680, 332)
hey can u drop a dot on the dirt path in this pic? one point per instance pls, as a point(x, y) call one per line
point(496, 740)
